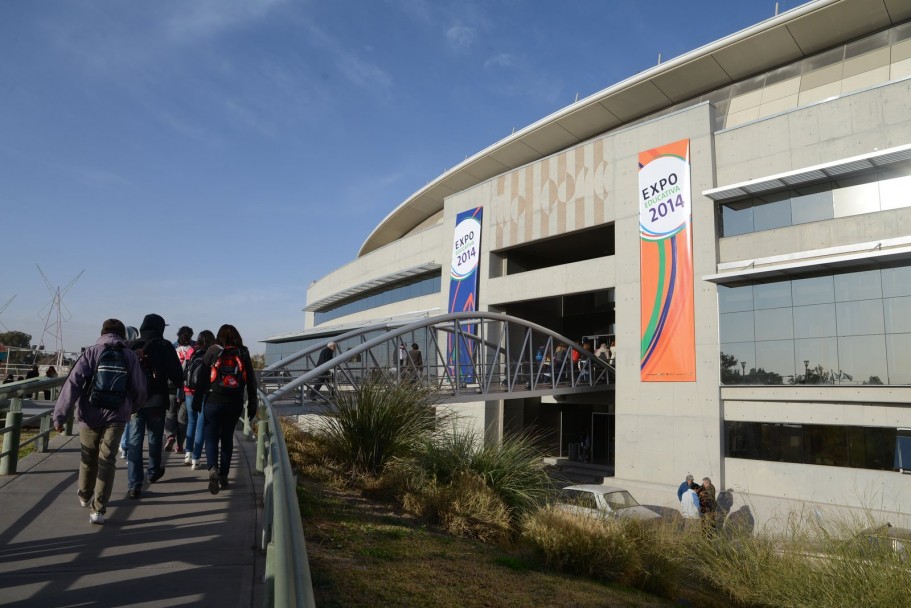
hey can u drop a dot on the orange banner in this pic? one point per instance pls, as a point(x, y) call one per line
point(668, 332)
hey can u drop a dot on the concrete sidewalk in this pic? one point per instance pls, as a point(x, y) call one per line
point(178, 545)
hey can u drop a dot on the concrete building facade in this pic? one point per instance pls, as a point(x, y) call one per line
point(799, 133)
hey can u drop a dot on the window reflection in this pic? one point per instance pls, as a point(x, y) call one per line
point(875, 448)
point(851, 341)
point(816, 290)
point(844, 197)
point(398, 293)
point(858, 286)
point(817, 321)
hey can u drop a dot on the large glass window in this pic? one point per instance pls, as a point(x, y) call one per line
point(876, 448)
point(845, 328)
point(848, 196)
point(420, 286)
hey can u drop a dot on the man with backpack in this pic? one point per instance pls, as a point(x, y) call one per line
point(106, 385)
point(161, 365)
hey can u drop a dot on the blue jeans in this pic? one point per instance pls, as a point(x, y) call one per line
point(148, 421)
point(221, 418)
point(195, 428)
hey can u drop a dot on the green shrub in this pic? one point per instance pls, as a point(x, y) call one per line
point(511, 470)
point(377, 423)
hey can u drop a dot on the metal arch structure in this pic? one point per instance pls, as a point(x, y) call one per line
point(467, 356)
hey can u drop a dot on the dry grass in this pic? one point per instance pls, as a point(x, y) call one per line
point(366, 554)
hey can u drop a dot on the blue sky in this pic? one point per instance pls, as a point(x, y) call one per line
point(207, 159)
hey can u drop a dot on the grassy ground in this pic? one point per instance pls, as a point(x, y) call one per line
point(364, 553)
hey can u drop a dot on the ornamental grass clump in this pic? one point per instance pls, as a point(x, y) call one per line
point(816, 562)
point(587, 546)
point(377, 423)
point(511, 470)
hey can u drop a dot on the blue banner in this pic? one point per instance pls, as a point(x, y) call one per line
point(463, 288)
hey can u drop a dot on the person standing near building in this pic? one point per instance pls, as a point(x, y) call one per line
point(104, 401)
point(231, 378)
point(689, 506)
point(324, 356)
point(683, 486)
point(161, 365)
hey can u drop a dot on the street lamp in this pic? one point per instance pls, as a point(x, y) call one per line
point(806, 370)
point(743, 366)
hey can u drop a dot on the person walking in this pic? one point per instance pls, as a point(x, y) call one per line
point(159, 360)
point(175, 422)
point(683, 486)
point(324, 356)
point(415, 362)
point(51, 372)
point(231, 378)
point(106, 385)
point(196, 385)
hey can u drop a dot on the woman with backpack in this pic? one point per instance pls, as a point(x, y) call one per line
point(195, 386)
point(231, 377)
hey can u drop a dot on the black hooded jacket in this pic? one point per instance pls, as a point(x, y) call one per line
point(163, 359)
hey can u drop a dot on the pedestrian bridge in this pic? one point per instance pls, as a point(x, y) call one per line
point(467, 356)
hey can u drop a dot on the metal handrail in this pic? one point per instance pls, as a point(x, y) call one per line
point(495, 363)
point(12, 429)
point(287, 578)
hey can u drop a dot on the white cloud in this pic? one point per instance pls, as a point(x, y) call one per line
point(204, 18)
point(460, 37)
point(501, 60)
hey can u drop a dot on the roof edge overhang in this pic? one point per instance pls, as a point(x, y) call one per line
point(845, 166)
point(858, 255)
point(385, 232)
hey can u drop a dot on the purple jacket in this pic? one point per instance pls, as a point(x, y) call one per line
point(73, 391)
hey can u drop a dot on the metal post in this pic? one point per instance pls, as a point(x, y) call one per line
point(261, 445)
point(11, 439)
point(44, 431)
point(68, 425)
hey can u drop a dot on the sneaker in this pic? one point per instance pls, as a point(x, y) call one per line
point(84, 502)
point(213, 481)
point(158, 475)
point(195, 466)
point(223, 483)
point(169, 444)
point(178, 449)
point(134, 493)
point(187, 458)
point(122, 454)
point(96, 518)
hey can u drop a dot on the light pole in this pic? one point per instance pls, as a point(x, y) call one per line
point(743, 366)
point(806, 370)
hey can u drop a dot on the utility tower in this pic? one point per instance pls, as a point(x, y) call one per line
point(2, 308)
point(56, 314)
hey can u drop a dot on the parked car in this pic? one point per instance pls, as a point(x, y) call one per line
point(602, 501)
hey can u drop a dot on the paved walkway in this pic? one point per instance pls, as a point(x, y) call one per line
point(176, 546)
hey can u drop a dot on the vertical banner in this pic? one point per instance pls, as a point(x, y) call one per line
point(668, 336)
point(463, 287)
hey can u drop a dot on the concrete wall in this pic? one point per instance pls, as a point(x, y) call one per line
point(858, 123)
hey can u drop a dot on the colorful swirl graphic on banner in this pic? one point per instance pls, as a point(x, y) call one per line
point(667, 345)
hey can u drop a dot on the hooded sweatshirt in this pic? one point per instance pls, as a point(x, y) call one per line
point(73, 391)
point(162, 358)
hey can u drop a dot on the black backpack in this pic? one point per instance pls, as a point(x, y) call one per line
point(196, 373)
point(141, 347)
point(108, 387)
point(229, 375)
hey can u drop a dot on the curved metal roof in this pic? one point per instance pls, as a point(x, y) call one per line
point(785, 38)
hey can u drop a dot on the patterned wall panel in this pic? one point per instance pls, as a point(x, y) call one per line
point(559, 194)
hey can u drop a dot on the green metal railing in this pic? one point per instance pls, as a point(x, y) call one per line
point(287, 579)
point(12, 396)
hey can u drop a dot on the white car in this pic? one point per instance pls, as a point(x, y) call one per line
point(602, 501)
